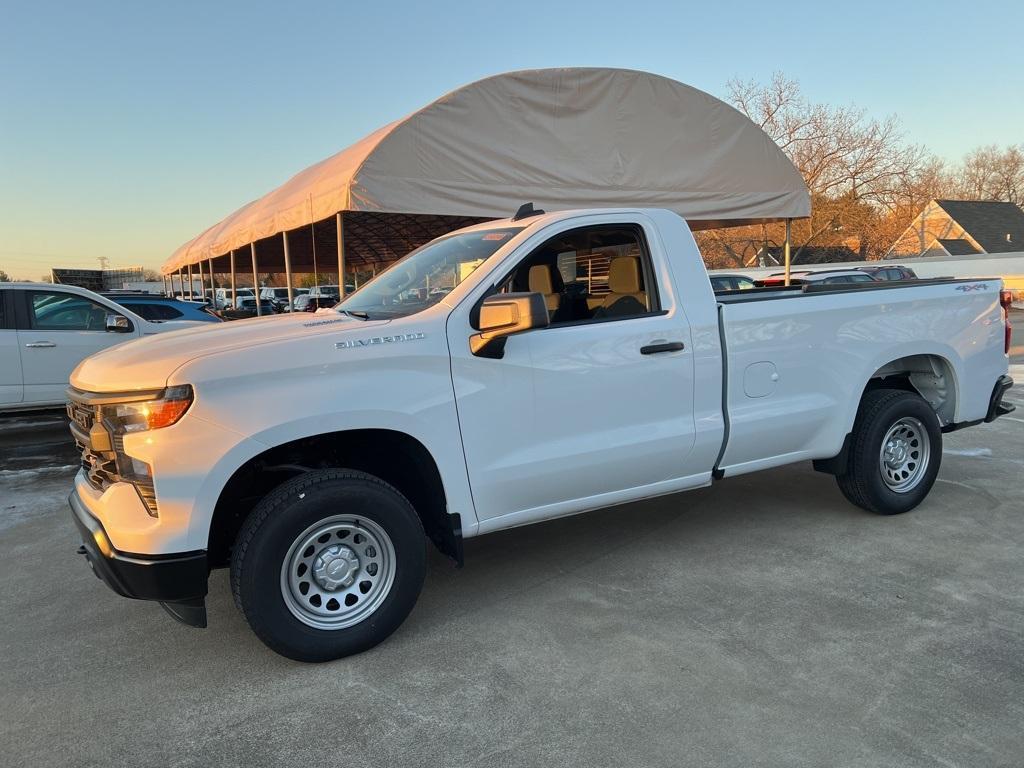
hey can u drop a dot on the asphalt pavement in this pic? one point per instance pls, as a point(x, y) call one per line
point(760, 622)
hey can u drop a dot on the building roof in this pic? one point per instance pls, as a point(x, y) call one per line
point(989, 222)
point(957, 246)
point(561, 138)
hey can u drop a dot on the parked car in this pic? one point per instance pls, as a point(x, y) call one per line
point(822, 276)
point(279, 296)
point(225, 298)
point(730, 283)
point(46, 330)
point(309, 303)
point(316, 455)
point(324, 292)
point(889, 272)
point(162, 308)
point(245, 306)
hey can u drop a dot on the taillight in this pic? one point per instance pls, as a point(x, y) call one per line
point(1005, 301)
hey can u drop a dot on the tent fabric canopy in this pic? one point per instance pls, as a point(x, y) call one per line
point(560, 138)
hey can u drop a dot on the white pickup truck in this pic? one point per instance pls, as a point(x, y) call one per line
point(504, 374)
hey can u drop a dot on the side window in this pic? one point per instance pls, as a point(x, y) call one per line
point(155, 311)
point(593, 273)
point(56, 311)
point(5, 321)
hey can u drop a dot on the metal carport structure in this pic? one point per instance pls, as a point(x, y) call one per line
point(560, 138)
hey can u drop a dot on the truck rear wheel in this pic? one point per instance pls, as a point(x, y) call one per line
point(895, 452)
point(328, 564)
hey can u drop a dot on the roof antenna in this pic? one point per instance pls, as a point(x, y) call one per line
point(526, 210)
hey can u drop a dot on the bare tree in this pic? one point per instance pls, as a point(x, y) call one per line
point(860, 172)
point(991, 173)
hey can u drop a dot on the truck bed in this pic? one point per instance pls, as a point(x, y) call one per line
point(795, 370)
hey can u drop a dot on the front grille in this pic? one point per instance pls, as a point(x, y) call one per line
point(81, 415)
point(100, 466)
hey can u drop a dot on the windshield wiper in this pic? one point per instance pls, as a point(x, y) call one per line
point(356, 313)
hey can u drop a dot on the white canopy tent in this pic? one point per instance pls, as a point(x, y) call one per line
point(560, 138)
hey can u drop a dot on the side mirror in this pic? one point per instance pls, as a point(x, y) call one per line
point(118, 323)
point(505, 314)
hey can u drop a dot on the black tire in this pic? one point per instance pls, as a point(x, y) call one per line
point(276, 523)
point(863, 482)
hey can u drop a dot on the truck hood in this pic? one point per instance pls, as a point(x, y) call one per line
point(146, 363)
point(153, 327)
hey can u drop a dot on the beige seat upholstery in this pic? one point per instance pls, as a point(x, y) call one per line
point(624, 282)
point(541, 282)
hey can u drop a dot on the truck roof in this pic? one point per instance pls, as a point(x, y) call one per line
point(552, 216)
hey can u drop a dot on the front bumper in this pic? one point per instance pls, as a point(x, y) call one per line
point(178, 581)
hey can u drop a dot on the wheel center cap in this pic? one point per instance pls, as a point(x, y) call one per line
point(335, 567)
point(896, 453)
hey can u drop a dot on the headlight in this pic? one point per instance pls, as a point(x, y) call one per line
point(120, 419)
point(143, 415)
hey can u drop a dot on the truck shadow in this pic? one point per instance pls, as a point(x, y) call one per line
point(638, 545)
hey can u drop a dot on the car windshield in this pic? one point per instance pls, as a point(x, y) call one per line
point(426, 275)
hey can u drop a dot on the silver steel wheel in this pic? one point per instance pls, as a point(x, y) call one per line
point(338, 572)
point(904, 455)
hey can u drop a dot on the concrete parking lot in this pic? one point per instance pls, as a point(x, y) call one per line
point(760, 622)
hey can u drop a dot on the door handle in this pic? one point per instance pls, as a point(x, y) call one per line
point(40, 344)
point(662, 346)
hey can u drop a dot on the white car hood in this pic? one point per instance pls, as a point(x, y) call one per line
point(146, 363)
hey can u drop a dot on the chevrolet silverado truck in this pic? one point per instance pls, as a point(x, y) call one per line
point(504, 374)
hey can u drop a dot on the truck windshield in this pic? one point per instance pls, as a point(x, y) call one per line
point(426, 275)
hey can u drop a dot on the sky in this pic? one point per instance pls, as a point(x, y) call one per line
point(126, 128)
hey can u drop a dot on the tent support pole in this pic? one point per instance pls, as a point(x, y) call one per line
point(255, 282)
point(287, 267)
point(213, 285)
point(190, 282)
point(785, 249)
point(341, 256)
point(202, 280)
point(233, 291)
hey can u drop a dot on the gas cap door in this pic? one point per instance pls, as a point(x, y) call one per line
point(759, 379)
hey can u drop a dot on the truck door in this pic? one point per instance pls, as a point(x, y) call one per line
point(62, 329)
point(595, 409)
point(10, 358)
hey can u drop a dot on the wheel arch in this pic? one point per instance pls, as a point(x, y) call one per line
point(930, 375)
point(395, 457)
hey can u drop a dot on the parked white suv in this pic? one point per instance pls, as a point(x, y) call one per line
point(46, 330)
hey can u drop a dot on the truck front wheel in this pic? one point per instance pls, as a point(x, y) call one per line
point(328, 564)
point(895, 452)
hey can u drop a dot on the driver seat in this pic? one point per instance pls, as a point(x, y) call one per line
point(540, 281)
point(624, 286)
